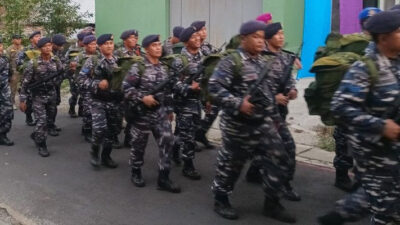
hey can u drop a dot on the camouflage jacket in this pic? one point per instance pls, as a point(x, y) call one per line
point(12, 54)
point(228, 89)
point(38, 69)
point(184, 97)
point(362, 103)
point(5, 69)
point(124, 52)
point(136, 86)
point(207, 49)
point(21, 57)
point(278, 64)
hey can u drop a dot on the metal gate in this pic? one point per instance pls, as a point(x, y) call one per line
point(223, 17)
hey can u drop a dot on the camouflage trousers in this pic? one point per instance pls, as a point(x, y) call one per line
point(6, 108)
point(384, 197)
point(162, 132)
point(104, 122)
point(209, 119)
point(343, 159)
point(75, 95)
point(258, 141)
point(289, 146)
point(86, 110)
point(29, 104)
point(186, 126)
point(354, 206)
point(44, 108)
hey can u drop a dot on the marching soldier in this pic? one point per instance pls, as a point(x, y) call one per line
point(206, 48)
point(6, 106)
point(173, 45)
point(41, 77)
point(105, 102)
point(248, 127)
point(368, 105)
point(22, 60)
point(76, 65)
point(187, 100)
point(12, 53)
point(155, 117)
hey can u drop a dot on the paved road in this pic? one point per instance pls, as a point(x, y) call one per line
point(63, 189)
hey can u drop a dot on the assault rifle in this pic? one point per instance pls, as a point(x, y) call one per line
point(42, 82)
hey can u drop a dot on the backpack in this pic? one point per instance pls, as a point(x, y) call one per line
point(329, 72)
point(29, 55)
point(234, 42)
point(124, 65)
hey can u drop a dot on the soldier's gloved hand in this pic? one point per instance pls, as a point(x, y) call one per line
point(195, 86)
point(281, 99)
point(246, 107)
point(22, 106)
point(292, 94)
point(391, 130)
point(103, 85)
point(149, 101)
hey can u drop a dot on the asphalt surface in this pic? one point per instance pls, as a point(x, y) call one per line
point(63, 188)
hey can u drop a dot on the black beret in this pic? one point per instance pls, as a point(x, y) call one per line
point(383, 22)
point(34, 33)
point(104, 37)
point(251, 26)
point(16, 36)
point(59, 40)
point(272, 29)
point(82, 35)
point(187, 33)
point(198, 24)
point(88, 39)
point(128, 33)
point(177, 31)
point(150, 39)
point(43, 41)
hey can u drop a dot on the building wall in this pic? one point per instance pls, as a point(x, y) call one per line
point(147, 16)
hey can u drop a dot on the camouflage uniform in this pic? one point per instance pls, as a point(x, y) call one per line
point(6, 107)
point(82, 76)
point(105, 103)
point(155, 120)
point(73, 86)
point(21, 59)
point(207, 49)
point(12, 54)
point(187, 106)
point(63, 60)
point(245, 137)
point(361, 105)
point(44, 97)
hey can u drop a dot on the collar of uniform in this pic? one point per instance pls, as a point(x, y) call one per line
point(125, 50)
point(40, 58)
point(190, 55)
point(246, 56)
point(147, 62)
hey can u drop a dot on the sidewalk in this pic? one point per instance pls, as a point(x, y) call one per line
point(302, 127)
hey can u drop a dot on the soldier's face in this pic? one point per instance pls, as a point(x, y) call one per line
point(278, 40)
point(47, 49)
point(154, 50)
point(392, 40)
point(91, 47)
point(194, 41)
point(107, 48)
point(17, 41)
point(254, 43)
point(131, 41)
point(203, 33)
point(1, 47)
point(35, 39)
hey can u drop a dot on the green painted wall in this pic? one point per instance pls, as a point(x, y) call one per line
point(291, 14)
point(116, 16)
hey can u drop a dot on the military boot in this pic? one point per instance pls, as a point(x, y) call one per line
point(5, 141)
point(223, 207)
point(106, 159)
point(127, 140)
point(87, 134)
point(29, 120)
point(343, 181)
point(52, 131)
point(274, 210)
point(291, 194)
point(80, 111)
point(165, 184)
point(332, 218)
point(201, 137)
point(116, 144)
point(189, 171)
point(136, 178)
point(72, 112)
point(94, 154)
point(42, 149)
point(253, 175)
